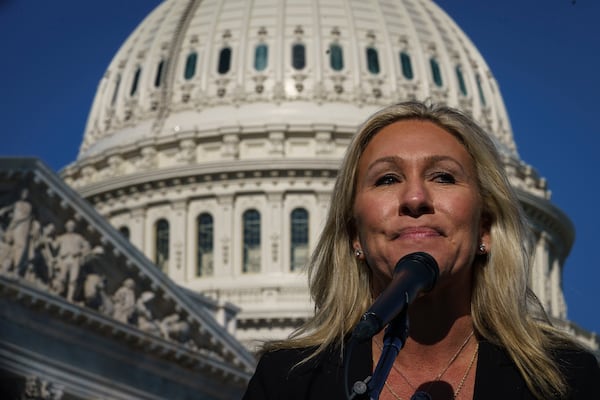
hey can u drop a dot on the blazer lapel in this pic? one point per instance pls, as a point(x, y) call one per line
point(497, 376)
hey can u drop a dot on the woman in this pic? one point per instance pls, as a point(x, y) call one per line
point(420, 178)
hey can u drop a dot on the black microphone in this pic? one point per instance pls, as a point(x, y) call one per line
point(414, 273)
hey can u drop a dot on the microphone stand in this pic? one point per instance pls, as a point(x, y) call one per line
point(393, 341)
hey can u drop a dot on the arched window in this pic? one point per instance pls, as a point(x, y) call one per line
point(435, 72)
point(251, 241)
point(190, 65)
point(480, 89)
point(224, 60)
point(261, 57)
point(406, 64)
point(161, 251)
point(336, 57)
point(372, 60)
point(159, 73)
point(205, 250)
point(299, 239)
point(461, 81)
point(117, 84)
point(136, 81)
point(124, 231)
point(298, 56)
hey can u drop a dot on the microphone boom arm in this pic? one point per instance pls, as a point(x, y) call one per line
point(393, 341)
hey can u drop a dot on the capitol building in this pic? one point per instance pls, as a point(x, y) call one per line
point(204, 176)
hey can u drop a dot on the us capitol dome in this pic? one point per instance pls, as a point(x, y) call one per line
point(218, 128)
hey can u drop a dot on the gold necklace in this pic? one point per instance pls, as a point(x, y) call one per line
point(421, 395)
point(424, 395)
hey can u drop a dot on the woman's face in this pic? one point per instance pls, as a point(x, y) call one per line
point(417, 190)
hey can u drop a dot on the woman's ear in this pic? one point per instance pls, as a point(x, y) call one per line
point(485, 227)
point(357, 248)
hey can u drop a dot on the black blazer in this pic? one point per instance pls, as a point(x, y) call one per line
point(323, 377)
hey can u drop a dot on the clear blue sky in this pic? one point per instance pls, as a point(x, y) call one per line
point(544, 55)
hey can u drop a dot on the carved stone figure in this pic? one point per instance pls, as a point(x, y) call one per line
point(124, 302)
point(17, 232)
point(174, 329)
point(34, 268)
point(5, 254)
point(46, 248)
point(72, 248)
point(94, 294)
point(145, 319)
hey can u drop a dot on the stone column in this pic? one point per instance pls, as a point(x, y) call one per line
point(178, 229)
point(318, 223)
point(224, 232)
point(273, 222)
point(558, 305)
point(540, 270)
point(137, 227)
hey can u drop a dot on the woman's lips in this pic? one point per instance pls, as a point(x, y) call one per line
point(418, 232)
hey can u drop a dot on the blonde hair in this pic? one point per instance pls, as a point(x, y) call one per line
point(504, 310)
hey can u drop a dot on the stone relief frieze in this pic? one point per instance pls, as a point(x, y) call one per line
point(63, 259)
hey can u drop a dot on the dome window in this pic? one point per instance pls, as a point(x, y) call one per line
point(372, 60)
point(161, 241)
point(251, 241)
point(114, 96)
point(224, 60)
point(205, 249)
point(336, 57)
point(124, 231)
point(136, 81)
point(159, 73)
point(406, 64)
point(435, 72)
point(261, 57)
point(190, 66)
point(298, 56)
point(299, 239)
point(461, 81)
point(480, 89)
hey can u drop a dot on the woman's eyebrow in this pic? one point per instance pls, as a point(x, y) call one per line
point(429, 161)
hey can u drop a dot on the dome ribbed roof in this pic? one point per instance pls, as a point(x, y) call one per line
point(193, 67)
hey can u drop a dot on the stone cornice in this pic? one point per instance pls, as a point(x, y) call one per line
point(216, 172)
point(58, 308)
point(545, 216)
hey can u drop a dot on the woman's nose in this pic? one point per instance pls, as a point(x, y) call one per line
point(415, 199)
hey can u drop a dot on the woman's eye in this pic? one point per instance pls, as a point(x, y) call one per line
point(444, 177)
point(386, 180)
